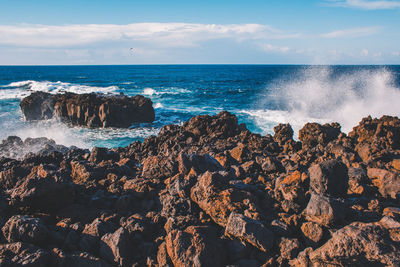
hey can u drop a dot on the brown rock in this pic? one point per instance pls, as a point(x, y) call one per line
point(289, 248)
point(290, 187)
point(324, 210)
point(43, 190)
point(313, 134)
point(196, 246)
point(382, 133)
point(358, 181)
point(159, 167)
point(89, 109)
point(396, 164)
point(368, 244)
point(25, 229)
point(329, 177)
point(22, 254)
point(115, 247)
point(199, 163)
point(249, 230)
point(162, 255)
point(388, 182)
point(312, 233)
point(217, 199)
point(283, 133)
point(239, 153)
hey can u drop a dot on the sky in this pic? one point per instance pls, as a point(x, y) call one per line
point(49, 32)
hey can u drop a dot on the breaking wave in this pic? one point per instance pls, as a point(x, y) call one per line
point(319, 94)
point(21, 89)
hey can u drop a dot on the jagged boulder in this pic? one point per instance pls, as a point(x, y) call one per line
point(324, 210)
point(89, 109)
point(43, 189)
point(25, 229)
point(249, 230)
point(196, 246)
point(22, 254)
point(366, 244)
point(380, 133)
point(330, 178)
point(313, 134)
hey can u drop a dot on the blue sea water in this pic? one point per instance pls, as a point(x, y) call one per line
point(260, 95)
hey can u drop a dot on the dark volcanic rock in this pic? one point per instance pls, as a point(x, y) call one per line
point(205, 193)
point(22, 254)
point(324, 210)
point(313, 134)
point(249, 230)
point(196, 246)
point(42, 190)
point(14, 147)
point(89, 109)
point(329, 177)
point(366, 244)
point(25, 229)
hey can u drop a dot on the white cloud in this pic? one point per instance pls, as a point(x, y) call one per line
point(351, 33)
point(274, 48)
point(364, 52)
point(365, 4)
point(160, 34)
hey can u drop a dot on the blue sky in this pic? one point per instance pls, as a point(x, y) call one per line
point(173, 32)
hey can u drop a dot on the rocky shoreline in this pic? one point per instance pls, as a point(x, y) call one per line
point(207, 193)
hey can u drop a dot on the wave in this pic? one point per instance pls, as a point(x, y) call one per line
point(322, 95)
point(164, 91)
point(149, 91)
point(78, 136)
point(158, 105)
point(21, 89)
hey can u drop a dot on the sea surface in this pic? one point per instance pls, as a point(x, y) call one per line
point(260, 95)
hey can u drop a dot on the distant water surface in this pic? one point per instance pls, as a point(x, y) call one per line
point(260, 95)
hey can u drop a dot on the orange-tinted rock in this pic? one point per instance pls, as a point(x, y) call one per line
point(329, 177)
point(382, 133)
point(365, 243)
point(196, 246)
point(324, 210)
point(249, 230)
point(218, 200)
point(239, 153)
point(313, 134)
point(387, 182)
point(312, 233)
point(396, 164)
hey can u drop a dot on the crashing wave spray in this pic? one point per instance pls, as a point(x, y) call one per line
point(322, 95)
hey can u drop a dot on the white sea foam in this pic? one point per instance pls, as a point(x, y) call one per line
point(76, 136)
point(149, 91)
point(158, 105)
point(164, 91)
point(52, 129)
point(21, 89)
point(316, 94)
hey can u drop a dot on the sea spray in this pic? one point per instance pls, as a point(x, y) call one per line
point(322, 94)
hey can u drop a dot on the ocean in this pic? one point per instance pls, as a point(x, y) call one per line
point(260, 95)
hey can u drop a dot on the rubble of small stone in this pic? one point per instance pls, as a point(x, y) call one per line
point(210, 193)
point(91, 110)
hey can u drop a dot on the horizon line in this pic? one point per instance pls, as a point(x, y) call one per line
point(197, 64)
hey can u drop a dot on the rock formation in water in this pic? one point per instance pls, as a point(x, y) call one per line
point(209, 193)
point(91, 110)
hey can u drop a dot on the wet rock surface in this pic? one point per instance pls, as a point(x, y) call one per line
point(89, 110)
point(206, 193)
